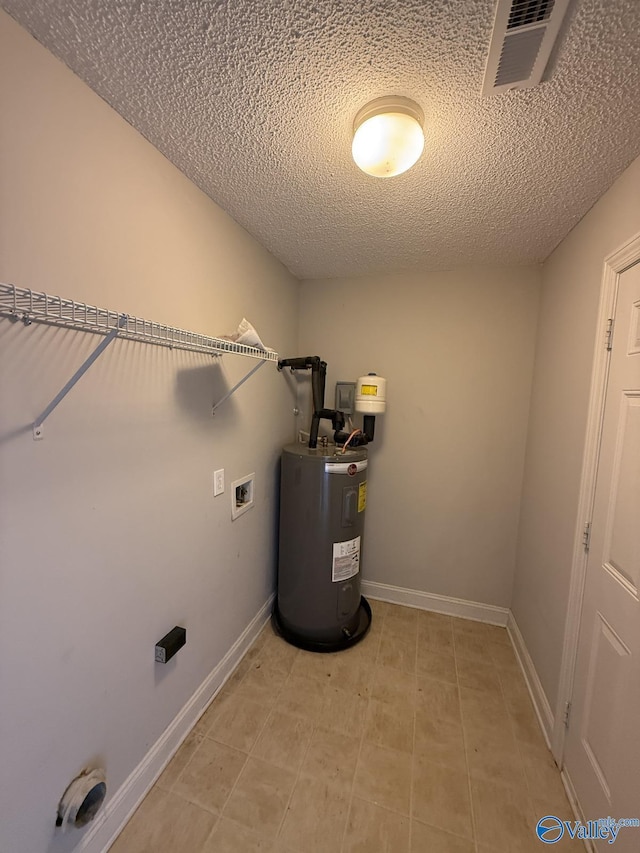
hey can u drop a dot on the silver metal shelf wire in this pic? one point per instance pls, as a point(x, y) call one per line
point(21, 304)
point(28, 305)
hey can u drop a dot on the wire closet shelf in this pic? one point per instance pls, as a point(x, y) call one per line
point(27, 305)
point(22, 304)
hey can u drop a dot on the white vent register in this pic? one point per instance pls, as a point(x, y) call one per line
point(524, 33)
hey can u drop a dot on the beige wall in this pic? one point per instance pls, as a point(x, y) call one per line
point(109, 532)
point(446, 467)
point(567, 334)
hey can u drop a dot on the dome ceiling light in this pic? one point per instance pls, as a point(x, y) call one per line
point(387, 136)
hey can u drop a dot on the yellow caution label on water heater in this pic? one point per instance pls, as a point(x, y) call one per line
point(362, 496)
point(370, 390)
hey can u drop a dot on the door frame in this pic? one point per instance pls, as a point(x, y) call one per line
point(614, 265)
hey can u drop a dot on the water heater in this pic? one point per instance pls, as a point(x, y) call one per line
point(323, 498)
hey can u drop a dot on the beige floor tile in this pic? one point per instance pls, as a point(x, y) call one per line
point(436, 664)
point(440, 740)
point(262, 683)
point(512, 682)
point(493, 754)
point(526, 726)
point(390, 725)
point(301, 696)
point(471, 647)
point(435, 631)
point(260, 797)
point(398, 654)
point(209, 777)
point(204, 723)
point(431, 618)
point(383, 777)
point(516, 695)
point(441, 797)
point(407, 617)
point(238, 722)
point(364, 652)
point(350, 674)
point(394, 686)
point(284, 740)
point(375, 631)
point(165, 823)
point(230, 837)
point(372, 829)
point(482, 710)
point(528, 751)
point(236, 677)
point(179, 761)
point(503, 656)
point(313, 665)
point(531, 739)
point(478, 676)
point(266, 632)
point(426, 838)
point(316, 817)
point(481, 631)
point(503, 817)
point(399, 629)
point(545, 786)
point(436, 638)
point(277, 654)
point(331, 757)
point(343, 712)
point(501, 635)
point(439, 698)
point(378, 608)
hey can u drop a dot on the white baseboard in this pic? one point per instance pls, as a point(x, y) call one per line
point(121, 806)
point(538, 696)
point(575, 805)
point(437, 603)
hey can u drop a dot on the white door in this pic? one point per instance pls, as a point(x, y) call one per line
point(602, 750)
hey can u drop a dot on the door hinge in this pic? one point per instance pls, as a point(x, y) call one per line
point(609, 334)
point(567, 714)
point(586, 536)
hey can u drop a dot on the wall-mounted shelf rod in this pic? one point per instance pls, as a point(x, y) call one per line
point(22, 304)
point(111, 336)
point(236, 386)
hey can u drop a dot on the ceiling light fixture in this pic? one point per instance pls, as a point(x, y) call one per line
point(387, 136)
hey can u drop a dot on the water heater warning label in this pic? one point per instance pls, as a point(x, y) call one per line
point(346, 559)
point(362, 496)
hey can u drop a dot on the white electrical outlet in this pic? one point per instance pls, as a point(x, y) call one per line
point(218, 482)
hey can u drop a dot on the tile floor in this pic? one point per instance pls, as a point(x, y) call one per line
point(421, 738)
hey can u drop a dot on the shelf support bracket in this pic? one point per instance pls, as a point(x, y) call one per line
point(237, 385)
point(38, 433)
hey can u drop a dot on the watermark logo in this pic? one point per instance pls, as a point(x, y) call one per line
point(550, 829)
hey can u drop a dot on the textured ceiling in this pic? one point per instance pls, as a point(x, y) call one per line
point(254, 100)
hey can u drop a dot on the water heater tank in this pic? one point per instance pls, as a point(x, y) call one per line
point(323, 497)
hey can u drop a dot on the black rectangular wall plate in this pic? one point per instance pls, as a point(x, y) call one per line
point(170, 644)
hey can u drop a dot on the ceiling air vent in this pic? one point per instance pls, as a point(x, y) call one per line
point(524, 32)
